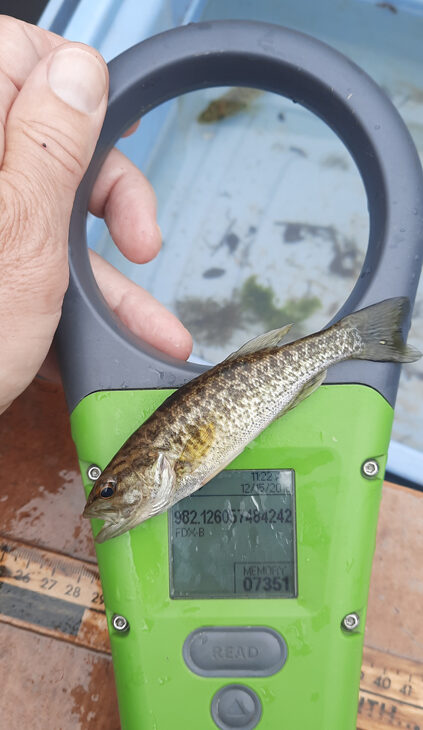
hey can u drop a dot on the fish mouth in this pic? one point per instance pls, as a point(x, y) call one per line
point(115, 527)
point(111, 529)
point(94, 511)
point(114, 524)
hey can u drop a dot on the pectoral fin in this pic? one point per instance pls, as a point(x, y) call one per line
point(262, 342)
point(164, 482)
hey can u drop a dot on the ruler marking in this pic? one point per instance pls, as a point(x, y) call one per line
point(391, 699)
point(41, 610)
point(68, 583)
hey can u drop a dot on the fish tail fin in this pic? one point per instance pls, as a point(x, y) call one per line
point(380, 329)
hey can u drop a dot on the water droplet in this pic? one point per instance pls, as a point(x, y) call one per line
point(377, 126)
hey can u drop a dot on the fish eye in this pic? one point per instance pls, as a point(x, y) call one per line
point(108, 490)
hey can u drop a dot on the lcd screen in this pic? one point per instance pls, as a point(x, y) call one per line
point(235, 537)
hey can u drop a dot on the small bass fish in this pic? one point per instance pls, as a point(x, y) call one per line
point(231, 102)
point(205, 424)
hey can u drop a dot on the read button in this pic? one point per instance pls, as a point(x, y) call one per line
point(236, 706)
point(244, 651)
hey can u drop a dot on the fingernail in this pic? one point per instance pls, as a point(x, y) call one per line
point(78, 78)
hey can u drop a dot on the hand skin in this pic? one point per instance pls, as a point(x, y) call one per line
point(53, 97)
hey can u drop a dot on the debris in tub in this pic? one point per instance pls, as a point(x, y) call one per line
point(346, 260)
point(213, 273)
point(214, 322)
point(295, 231)
point(299, 151)
point(230, 103)
point(347, 256)
point(229, 239)
point(388, 6)
point(258, 302)
point(335, 161)
point(210, 321)
point(413, 93)
point(281, 116)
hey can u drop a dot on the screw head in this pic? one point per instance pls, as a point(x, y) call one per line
point(93, 472)
point(351, 621)
point(120, 623)
point(370, 468)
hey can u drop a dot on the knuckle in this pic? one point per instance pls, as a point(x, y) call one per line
point(30, 247)
point(61, 150)
point(15, 213)
point(8, 23)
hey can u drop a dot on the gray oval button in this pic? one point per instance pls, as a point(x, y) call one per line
point(236, 706)
point(227, 651)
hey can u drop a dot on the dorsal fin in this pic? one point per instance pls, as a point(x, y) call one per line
point(262, 342)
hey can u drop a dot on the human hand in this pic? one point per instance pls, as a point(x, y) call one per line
point(53, 97)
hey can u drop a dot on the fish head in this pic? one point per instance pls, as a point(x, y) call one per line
point(127, 498)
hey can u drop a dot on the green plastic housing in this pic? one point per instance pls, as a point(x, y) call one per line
point(325, 440)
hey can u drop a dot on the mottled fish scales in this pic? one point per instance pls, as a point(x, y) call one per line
point(205, 424)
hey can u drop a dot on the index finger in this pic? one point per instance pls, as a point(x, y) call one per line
point(22, 46)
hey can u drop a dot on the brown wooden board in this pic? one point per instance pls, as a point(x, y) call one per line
point(52, 685)
point(60, 597)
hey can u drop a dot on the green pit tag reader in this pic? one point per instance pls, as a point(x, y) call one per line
point(244, 606)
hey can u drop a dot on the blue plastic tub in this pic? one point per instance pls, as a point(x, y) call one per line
point(267, 201)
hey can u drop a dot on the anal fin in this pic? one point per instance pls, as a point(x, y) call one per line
point(308, 389)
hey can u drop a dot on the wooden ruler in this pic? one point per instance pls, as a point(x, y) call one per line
point(52, 594)
point(391, 692)
point(59, 596)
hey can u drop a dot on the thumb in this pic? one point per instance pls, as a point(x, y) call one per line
point(50, 135)
point(54, 123)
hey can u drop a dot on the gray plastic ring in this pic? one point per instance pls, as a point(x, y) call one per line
point(96, 351)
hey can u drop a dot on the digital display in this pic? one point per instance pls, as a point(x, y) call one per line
point(235, 537)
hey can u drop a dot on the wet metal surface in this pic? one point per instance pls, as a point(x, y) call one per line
point(46, 683)
point(41, 496)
